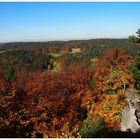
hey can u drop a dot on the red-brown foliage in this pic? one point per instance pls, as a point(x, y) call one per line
point(61, 95)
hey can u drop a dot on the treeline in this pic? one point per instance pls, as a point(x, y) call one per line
point(96, 46)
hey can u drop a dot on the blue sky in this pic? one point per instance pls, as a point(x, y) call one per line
point(67, 20)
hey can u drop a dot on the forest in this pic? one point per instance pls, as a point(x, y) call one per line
point(66, 89)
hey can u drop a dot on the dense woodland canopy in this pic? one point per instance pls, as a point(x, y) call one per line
point(66, 88)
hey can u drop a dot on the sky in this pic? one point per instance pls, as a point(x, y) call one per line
point(45, 21)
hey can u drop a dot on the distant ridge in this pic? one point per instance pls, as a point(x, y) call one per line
point(73, 40)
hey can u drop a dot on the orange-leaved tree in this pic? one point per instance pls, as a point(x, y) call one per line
point(112, 71)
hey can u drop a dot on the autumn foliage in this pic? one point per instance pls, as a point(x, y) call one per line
point(47, 103)
point(50, 100)
point(112, 71)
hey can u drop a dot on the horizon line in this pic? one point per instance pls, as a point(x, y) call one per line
point(55, 40)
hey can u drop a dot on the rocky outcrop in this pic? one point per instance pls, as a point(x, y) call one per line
point(131, 114)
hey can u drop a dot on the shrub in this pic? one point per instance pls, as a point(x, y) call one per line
point(93, 127)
